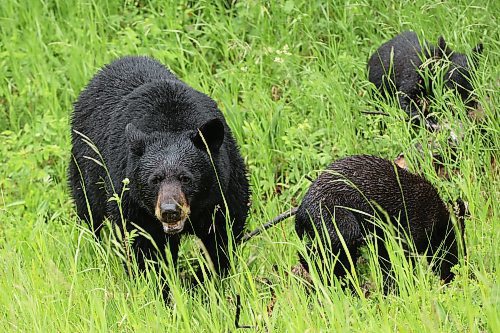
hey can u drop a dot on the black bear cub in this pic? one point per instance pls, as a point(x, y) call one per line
point(153, 129)
point(395, 69)
point(353, 191)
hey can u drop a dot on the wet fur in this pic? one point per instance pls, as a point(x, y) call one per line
point(165, 116)
point(349, 187)
point(394, 69)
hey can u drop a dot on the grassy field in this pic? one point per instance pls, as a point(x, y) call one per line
point(290, 77)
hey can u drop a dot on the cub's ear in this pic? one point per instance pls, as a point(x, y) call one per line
point(136, 139)
point(478, 49)
point(442, 49)
point(210, 134)
point(476, 52)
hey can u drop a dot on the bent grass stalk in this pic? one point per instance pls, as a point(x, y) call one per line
point(290, 116)
point(124, 236)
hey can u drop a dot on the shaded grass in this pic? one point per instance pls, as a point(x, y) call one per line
point(290, 78)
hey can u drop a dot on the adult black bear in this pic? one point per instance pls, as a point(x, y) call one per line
point(354, 189)
point(154, 130)
point(397, 65)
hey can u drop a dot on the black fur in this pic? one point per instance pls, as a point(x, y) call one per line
point(145, 123)
point(395, 69)
point(347, 189)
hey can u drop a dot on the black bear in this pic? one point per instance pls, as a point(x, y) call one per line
point(396, 70)
point(354, 190)
point(150, 127)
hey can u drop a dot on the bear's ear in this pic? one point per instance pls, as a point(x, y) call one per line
point(210, 134)
point(442, 49)
point(478, 49)
point(476, 52)
point(136, 139)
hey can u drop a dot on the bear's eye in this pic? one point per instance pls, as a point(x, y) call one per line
point(155, 180)
point(184, 179)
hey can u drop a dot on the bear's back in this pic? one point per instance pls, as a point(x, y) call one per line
point(357, 181)
point(400, 57)
point(129, 72)
point(400, 48)
point(117, 80)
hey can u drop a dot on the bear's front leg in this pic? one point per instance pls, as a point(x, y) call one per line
point(216, 245)
point(410, 107)
point(146, 251)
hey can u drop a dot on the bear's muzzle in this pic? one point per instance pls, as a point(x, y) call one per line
point(172, 208)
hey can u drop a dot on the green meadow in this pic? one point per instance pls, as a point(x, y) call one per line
point(291, 79)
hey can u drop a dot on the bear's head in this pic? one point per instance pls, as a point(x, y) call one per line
point(459, 73)
point(172, 172)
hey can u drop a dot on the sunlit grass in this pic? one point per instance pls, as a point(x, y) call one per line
point(290, 77)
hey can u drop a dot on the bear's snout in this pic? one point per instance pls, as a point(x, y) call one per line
point(170, 212)
point(172, 208)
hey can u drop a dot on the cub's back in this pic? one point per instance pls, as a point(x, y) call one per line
point(358, 181)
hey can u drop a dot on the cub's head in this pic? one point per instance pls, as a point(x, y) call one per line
point(172, 172)
point(460, 70)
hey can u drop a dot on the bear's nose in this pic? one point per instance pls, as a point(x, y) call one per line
point(170, 213)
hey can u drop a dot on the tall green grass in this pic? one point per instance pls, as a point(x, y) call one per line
point(290, 77)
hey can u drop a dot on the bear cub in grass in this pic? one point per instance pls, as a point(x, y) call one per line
point(153, 129)
point(354, 190)
point(397, 66)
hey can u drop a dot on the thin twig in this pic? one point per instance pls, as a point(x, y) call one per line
point(378, 113)
point(238, 312)
point(269, 224)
